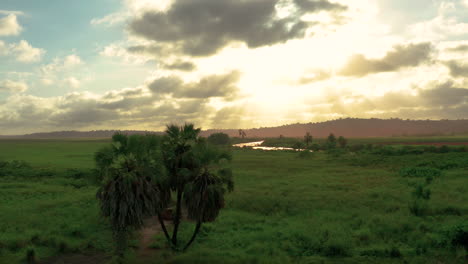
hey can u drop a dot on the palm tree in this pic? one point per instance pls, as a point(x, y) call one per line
point(132, 185)
point(331, 141)
point(204, 196)
point(307, 138)
point(197, 174)
point(242, 133)
point(176, 154)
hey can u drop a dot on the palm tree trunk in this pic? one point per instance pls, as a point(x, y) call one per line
point(177, 216)
point(163, 226)
point(195, 232)
point(121, 245)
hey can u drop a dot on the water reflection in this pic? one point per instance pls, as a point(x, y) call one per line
point(258, 145)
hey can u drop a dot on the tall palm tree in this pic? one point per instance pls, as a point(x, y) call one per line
point(177, 146)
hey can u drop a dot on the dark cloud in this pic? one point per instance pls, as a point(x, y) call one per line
point(166, 85)
point(400, 57)
point(440, 101)
point(320, 5)
point(445, 95)
point(460, 48)
point(180, 65)
point(141, 49)
point(457, 69)
point(228, 117)
point(203, 27)
point(224, 86)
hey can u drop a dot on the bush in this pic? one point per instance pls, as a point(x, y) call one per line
point(456, 236)
point(218, 139)
point(419, 207)
point(298, 145)
point(357, 147)
point(421, 193)
point(420, 172)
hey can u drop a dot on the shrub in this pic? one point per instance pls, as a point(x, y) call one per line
point(456, 235)
point(357, 148)
point(421, 193)
point(31, 256)
point(218, 139)
point(419, 207)
point(298, 145)
point(420, 172)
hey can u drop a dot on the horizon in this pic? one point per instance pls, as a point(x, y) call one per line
point(141, 64)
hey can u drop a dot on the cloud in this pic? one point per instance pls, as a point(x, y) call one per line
point(61, 64)
point(111, 19)
point(115, 50)
point(202, 28)
point(449, 23)
point(72, 60)
point(228, 117)
point(180, 65)
point(314, 76)
point(72, 82)
point(3, 48)
point(13, 86)
point(26, 53)
point(224, 86)
point(9, 26)
point(401, 56)
point(460, 48)
point(14, 12)
point(457, 69)
point(318, 5)
point(21, 51)
point(119, 109)
point(439, 101)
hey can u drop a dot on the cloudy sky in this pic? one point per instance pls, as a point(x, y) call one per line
point(140, 64)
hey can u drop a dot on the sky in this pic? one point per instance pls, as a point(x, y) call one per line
point(142, 64)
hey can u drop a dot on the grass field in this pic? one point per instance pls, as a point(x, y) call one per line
point(286, 208)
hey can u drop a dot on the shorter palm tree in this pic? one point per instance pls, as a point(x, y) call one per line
point(204, 196)
point(131, 188)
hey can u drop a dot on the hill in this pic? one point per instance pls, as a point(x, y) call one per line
point(358, 128)
point(349, 127)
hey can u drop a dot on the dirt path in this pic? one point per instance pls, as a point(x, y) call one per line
point(147, 233)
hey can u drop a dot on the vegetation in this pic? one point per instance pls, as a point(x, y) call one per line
point(288, 207)
point(132, 184)
point(219, 139)
point(308, 138)
point(195, 176)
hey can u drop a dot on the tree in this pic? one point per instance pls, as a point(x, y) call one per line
point(307, 138)
point(131, 188)
point(178, 144)
point(331, 141)
point(197, 174)
point(342, 142)
point(204, 195)
point(219, 139)
point(242, 133)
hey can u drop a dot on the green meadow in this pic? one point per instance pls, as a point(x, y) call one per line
point(287, 207)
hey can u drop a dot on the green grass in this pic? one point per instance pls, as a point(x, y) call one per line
point(52, 153)
point(288, 142)
point(285, 209)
